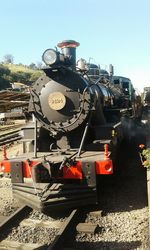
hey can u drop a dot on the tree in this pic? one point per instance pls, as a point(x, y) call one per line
point(39, 65)
point(4, 77)
point(21, 76)
point(32, 66)
point(35, 76)
point(8, 58)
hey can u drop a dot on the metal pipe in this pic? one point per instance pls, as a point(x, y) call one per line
point(35, 136)
point(83, 138)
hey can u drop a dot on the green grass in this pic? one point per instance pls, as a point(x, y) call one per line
point(21, 68)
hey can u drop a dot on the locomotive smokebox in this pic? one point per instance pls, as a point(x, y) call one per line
point(68, 48)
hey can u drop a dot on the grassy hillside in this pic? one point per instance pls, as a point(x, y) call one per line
point(10, 73)
point(20, 68)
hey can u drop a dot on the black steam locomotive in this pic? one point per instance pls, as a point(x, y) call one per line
point(77, 109)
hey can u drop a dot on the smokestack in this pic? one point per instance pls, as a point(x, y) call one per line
point(111, 70)
point(68, 48)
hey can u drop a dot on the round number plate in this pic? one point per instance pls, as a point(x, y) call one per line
point(56, 101)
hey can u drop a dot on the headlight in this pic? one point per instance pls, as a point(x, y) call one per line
point(49, 56)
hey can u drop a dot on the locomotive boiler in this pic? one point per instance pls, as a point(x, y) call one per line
point(77, 109)
point(70, 104)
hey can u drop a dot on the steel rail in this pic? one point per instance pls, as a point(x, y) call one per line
point(63, 232)
point(10, 127)
point(10, 221)
point(11, 139)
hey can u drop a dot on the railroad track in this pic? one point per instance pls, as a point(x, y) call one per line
point(123, 224)
point(9, 127)
point(9, 134)
point(8, 221)
point(10, 137)
point(61, 229)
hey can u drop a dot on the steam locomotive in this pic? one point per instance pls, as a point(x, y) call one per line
point(77, 108)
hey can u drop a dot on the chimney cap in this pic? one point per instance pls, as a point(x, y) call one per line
point(68, 44)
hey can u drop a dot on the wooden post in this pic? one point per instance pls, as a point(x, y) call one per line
point(106, 151)
point(148, 193)
point(4, 153)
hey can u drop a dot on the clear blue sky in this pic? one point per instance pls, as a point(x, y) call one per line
point(112, 31)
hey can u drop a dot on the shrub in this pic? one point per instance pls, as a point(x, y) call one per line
point(145, 156)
